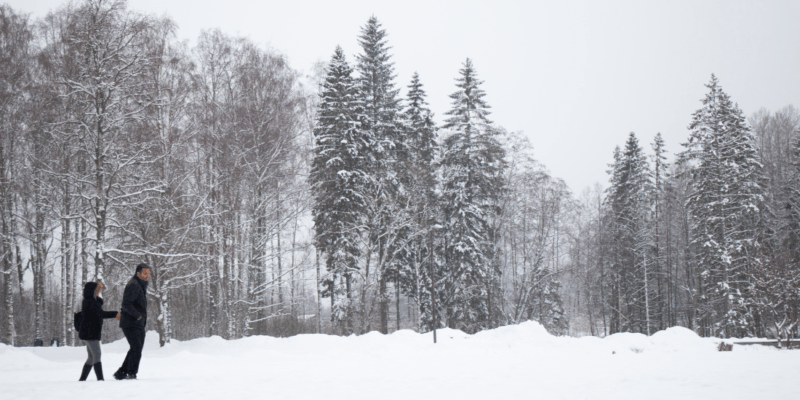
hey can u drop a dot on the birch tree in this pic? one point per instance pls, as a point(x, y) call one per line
point(163, 227)
point(16, 38)
point(108, 42)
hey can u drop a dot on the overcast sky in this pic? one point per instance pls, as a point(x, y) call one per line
point(575, 76)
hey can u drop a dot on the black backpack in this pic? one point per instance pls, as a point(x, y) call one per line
point(76, 320)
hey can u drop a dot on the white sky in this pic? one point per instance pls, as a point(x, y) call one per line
point(575, 76)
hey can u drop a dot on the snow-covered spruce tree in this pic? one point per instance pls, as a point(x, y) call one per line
point(776, 275)
point(420, 142)
point(387, 211)
point(633, 259)
point(419, 133)
point(682, 286)
point(660, 176)
point(726, 204)
point(615, 239)
point(775, 291)
point(340, 178)
point(791, 235)
point(471, 170)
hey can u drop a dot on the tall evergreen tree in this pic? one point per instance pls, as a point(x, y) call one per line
point(376, 87)
point(420, 132)
point(387, 211)
point(776, 277)
point(791, 228)
point(614, 242)
point(340, 178)
point(660, 175)
point(420, 141)
point(629, 201)
point(472, 180)
point(726, 204)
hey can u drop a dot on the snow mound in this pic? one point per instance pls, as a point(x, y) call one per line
point(525, 332)
point(675, 339)
point(533, 335)
point(520, 361)
point(527, 336)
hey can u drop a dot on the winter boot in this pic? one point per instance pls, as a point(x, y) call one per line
point(98, 371)
point(119, 375)
point(85, 372)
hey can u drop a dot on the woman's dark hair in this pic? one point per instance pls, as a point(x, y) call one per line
point(89, 289)
point(140, 267)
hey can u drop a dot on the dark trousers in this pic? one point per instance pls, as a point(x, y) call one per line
point(135, 337)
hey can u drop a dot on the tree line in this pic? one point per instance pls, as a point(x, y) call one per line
point(269, 202)
point(458, 219)
point(708, 242)
point(121, 144)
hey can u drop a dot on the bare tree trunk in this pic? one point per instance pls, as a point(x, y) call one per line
point(66, 278)
point(292, 266)
point(6, 242)
point(365, 317)
point(227, 281)
point(397, 301)
point(7, 249)
point(602, 267)
point(240, 263)
point(646, 297)
point(163, 323)
point(319, 295)
point(418, 283)
point(211, 297)
point(66, 264)
point(8, 289)
point(100, 204)
point(272, 277)
point(349, 294)
point(279, 255)
point(38, 260)
point(84, 231)
point(383, 299)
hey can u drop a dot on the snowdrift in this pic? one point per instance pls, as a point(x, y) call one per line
point(522, 361)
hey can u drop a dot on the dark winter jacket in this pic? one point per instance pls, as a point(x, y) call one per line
point(92, 310)
point(134, 304)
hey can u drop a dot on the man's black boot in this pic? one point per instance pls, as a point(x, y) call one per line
point(98, 371)
point(119, 375)
point(85, 372)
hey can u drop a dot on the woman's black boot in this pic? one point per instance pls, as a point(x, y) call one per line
point(98, 371)
point(85, 372)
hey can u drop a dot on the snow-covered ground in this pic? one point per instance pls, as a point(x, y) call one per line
point(514, 362)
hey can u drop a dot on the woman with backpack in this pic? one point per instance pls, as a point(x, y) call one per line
point(91, 327)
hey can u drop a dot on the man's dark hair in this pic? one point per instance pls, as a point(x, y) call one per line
point(140, 267)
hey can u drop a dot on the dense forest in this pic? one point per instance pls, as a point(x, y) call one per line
point(269, 202)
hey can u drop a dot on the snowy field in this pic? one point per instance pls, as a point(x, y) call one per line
point(516, 362)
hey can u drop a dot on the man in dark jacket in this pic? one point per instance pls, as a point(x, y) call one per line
point(133, 321)
point(91, 326)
